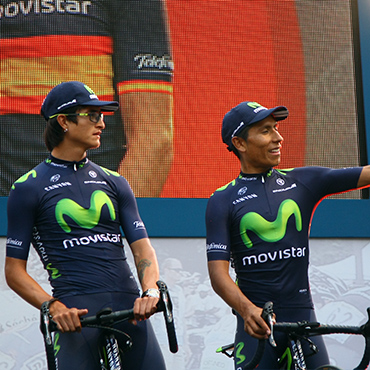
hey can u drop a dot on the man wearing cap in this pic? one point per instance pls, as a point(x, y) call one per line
point(72, 211)
point(260, 222)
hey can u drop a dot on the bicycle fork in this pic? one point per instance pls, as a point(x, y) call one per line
point(297, 355)
point(111, 359)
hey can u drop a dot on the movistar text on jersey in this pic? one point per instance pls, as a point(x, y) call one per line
point(26, 7)
point(97, 238)
point(293, 252)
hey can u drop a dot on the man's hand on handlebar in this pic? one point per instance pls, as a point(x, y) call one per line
point(254, 324)
point(144, 308)
point(67, 319)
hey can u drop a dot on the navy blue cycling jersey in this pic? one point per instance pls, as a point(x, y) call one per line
point(73, 214)
point(261, 222)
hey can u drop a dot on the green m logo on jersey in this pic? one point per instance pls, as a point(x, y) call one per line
point(84, 217)
point(270, 231)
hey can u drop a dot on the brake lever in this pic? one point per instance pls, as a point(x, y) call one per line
point(268, 315)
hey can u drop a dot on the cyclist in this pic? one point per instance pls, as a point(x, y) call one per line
point(260, 222)
point(72, 210)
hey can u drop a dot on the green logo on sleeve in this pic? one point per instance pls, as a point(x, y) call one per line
point(84, 217)
point(25, 177)
point(110, 172)
point(270, 231)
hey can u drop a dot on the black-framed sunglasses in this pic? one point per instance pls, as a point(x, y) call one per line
point(94, 117)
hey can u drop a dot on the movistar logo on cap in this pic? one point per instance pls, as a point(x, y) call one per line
point(91, 92)
point(256, 107)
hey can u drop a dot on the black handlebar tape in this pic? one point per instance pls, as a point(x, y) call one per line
point(50, 357)
point(366, 357)
point(108, 318)
point(168, 316)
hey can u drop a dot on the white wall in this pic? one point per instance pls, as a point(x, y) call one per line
point(339, 280)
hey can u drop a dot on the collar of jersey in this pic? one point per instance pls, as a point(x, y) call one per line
point(263, 174)
point(75, 164)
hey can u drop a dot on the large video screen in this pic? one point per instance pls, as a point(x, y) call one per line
point(176, 67)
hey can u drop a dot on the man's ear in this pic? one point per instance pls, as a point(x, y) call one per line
point(239, 143)
point(62, 120)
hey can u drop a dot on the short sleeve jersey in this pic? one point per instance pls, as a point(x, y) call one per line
point(73, 214)
point(261, 222)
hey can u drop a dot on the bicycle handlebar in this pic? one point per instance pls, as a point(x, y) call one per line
point(107, 317)
point(165, 305)
point(307, 329)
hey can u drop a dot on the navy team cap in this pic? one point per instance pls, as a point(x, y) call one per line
point(246, 114)
point(70, 94)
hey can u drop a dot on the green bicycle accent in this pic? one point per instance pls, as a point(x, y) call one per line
point(86, 218)
point(105, 355)
point(25, 177)
point(56, 345)
point(270, 231)
point(238, 355)
point(287, 358)
point(54, 271)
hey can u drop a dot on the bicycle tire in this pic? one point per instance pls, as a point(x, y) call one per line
point(364, 363)
point(252, 364)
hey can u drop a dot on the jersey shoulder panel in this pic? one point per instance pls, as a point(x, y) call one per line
point(113, 178)
point(221, 195)
point(31, 180)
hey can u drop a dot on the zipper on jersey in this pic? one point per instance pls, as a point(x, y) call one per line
point(267, 197)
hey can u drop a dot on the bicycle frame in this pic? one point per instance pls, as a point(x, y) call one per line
point(293, 357)
point(110, 351)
